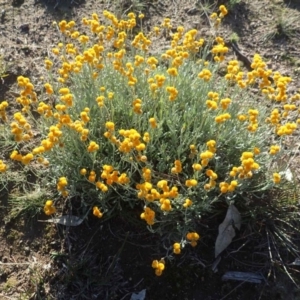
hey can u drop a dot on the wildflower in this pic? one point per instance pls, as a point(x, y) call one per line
point(48, 64)
point(242, 118)
point(197, 167)
point(146, 137)
point(211, 104)
point(148, 215)
point(177, 168)
point(222, 118)
point(49, 89)
point(225, 103)
point(187, 203)
point(49, 209)
point(176, 248)
point(166, 205)
point(62, 183)
point(137, 106)
point(193, 237)
point(159, 266)
point(193, 151)
point(211, 174)
point(3, 167)
point(96, 212)
point(172, 71)
point(191, 182)
point(110, 126)
point(274, 149)
point(93, 146)
point(276, 178)
point(152, 122)
point(92, 176)
point(223, 10)
point(84, 117)
point(173, 92)
point(205, 74)
point(27, 158)
point(256, 150)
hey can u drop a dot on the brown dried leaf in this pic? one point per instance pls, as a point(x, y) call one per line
point(227, 229)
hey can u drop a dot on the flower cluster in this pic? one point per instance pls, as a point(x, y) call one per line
point(205, 74)
point(276, 178)
point(177, 248)
point(3, 166)
point(177, 168)
point(61, 186)
point(49, 209)
point(148, 215)
point(97, 213)
point(193, 237)
point(219, 50)
point(248, 165)
point(159, 266)
point(3, 106)
point(228, 187)
point(21, 129)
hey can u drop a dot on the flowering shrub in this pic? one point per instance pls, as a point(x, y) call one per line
point(125, 128)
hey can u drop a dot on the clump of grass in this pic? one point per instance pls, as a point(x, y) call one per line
point(285, 25)
point(3, 68)
point(163, 135)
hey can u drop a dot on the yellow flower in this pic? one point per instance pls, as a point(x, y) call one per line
point(256, 150)
point(172, 71)
point(49, 209)
point(193, 237)
point(177, 168)
point(276, 178)
point(159, 266)
point(62, 183)
point(97, 213)
point(187, 203)
point(223, 10)
point(173, 92)
point(3, 167)
point(166, 205)
point(110, 126)
point(152, 122)
point(148, 215)
point(197, 167)
point(191, 182)
point(93, 146)
point(176, 248)
point(274, 149)
point(205, 74)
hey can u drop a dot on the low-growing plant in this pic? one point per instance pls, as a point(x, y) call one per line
point(159, 136)
point(285, 25)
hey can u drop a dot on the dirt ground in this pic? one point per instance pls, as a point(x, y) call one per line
point(102, 261)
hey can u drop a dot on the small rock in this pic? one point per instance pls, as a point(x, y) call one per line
point(27, 250)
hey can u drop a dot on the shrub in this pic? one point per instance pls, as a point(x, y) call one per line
point(125, 129)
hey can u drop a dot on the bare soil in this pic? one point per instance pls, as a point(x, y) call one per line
point(104, 260)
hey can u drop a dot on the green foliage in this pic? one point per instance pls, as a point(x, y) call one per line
point(161, 136)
